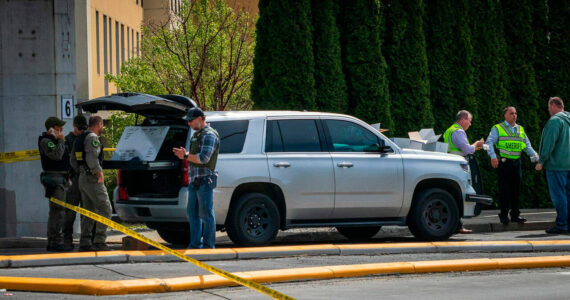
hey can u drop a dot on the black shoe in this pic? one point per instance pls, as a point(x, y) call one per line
point(504, 219)
point(518, 220)
point(556, 230)
point(58, 248)
point(86, 248)
point(101, 247)
point(68, 248)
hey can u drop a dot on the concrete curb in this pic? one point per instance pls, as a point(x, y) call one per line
point(284, 251)
point(157, 285)
point(75, 258)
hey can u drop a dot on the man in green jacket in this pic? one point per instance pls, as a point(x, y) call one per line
point(555, 158)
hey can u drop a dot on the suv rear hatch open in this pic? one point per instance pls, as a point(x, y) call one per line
point(166, 174)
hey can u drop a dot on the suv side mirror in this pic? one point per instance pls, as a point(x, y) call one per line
point(383, 148)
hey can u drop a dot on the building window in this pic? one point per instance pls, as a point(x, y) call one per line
point(133, 42)
point(122, 43)
point(128, 44)
point(110, 46)
point(105, 62)
point(138, 46)
point(142, 3)
point(117, 57)
point(105, 49)
point(97, 41)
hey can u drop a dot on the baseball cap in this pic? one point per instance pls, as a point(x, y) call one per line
point(80, 122)
point(193, 113)
point(53, 121)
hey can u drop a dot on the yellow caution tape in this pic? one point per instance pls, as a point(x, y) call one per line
point(28, 155)
point(239, 280)
point(19, 156)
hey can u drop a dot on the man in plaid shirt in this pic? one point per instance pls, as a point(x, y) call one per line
point(202, 158)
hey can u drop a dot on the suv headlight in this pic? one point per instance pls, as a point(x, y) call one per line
point(467, 170)
point(465, 167)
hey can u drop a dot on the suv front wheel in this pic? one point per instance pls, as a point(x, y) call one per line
point(434, 216)
point(253, 220)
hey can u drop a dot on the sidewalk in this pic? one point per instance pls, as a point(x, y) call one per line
point(487, 222)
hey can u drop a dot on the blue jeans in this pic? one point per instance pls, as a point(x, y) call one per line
point(559, 187)
point(200, 212)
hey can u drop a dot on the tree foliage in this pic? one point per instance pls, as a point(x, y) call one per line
point(405, 52)
point(204, 52)
point(558, 76)
point(450, 57)
point(284, 61)
point(363, 63)
point(330, 85)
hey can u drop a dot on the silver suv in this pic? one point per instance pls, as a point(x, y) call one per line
point(286, 169)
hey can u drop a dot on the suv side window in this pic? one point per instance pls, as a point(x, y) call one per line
point(292, 136)
point(232, 135)
point(350, 137)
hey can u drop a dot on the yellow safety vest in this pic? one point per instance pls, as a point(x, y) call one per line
point(510, 144)
point(447, 139)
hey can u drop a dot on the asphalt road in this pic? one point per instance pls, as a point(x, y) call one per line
point(507, 284)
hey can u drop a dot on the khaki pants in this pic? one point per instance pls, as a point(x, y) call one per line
point(95, 199)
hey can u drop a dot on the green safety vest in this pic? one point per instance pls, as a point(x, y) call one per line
point(510, 144)
point(195, 148)
point(447, 139)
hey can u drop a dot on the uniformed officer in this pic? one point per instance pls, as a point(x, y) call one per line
point(73, 194)
point(88, 158)
point(458, 142)
point(55, 179)
point(510, 140)
point(202, 157)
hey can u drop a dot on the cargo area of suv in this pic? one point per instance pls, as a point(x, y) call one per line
point(164, 183)
point(165, 175)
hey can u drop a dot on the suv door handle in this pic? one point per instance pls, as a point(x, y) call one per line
point(282, 164)
point(345, 164)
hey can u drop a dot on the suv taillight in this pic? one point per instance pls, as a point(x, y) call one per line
point(185, 179)
point(123, 193)
point(119, 177)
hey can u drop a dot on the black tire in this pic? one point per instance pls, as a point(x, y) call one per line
point(253, 220)
point(434, 215)
point(175, 237)
point(359, 233)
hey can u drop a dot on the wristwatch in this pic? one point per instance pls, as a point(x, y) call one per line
point(186, 155)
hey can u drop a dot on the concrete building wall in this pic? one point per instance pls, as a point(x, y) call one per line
point(37, 70)
point(156, 11)
point(251, 6)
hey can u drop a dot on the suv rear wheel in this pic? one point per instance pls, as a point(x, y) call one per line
point(253, 220)
point(434, 216)
point(176, 237)
point(359, 233)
